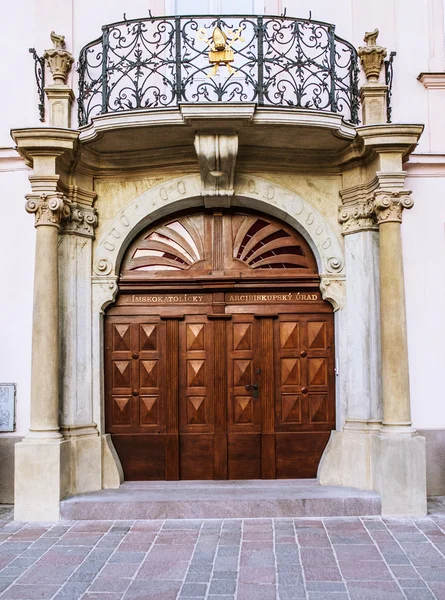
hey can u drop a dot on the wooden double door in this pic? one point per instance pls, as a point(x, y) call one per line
point(229, 396)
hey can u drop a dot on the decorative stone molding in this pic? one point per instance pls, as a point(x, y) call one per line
point(58, 59)
point(432, 81)
point(357, 212)
point(333, 290)
point(216, 157)
point(373, 95)
point(82, 220)
point(49, 209)
point(388, 206)
point(185, 192)
point(372, 56)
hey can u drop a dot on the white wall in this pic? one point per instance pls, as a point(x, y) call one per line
point(423, 233)
point(17, 241)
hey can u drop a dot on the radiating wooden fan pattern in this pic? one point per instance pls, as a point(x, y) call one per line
point(266, 245)
point(204, 243)
point(174, 246)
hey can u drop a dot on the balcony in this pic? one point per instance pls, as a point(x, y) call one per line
point(169, 62)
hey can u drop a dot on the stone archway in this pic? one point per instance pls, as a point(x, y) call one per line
point(185, 192)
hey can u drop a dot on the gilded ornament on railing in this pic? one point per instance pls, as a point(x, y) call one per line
point(161, 62)
point(220, 52)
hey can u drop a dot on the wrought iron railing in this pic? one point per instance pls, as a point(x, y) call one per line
point(164, 61)
point(389, 78)
point(39, 72)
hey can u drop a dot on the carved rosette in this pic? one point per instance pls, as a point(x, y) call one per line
point(389, 206)
point(49, 209)
point(59, 59)
point(82, 220)
point(372, 56)
point(357, 217)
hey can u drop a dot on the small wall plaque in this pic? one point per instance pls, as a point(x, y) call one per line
point(7, 406)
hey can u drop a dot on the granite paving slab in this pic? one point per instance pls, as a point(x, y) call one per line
point(332, 558)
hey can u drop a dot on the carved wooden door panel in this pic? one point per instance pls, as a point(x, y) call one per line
point(136, 394)
point(196, 398)
point(244, 406)
point(304, 392)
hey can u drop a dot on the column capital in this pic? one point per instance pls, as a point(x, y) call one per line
point(359, 216)
point(49, 209)
point(81, 220)
point(388, 206)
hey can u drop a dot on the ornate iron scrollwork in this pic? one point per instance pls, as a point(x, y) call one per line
point(389, 76)
point(274, 61)
point(39, 71)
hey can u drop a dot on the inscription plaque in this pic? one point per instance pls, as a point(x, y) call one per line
point(7, 406)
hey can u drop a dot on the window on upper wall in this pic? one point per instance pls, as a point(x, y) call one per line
point(216, 7)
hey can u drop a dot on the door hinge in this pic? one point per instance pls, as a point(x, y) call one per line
point(336, 368)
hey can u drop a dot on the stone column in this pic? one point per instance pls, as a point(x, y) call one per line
point(42, 471)
point(399, 463)
point(395, 375)
point(48, 211)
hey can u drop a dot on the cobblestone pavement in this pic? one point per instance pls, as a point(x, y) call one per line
point(251, 559)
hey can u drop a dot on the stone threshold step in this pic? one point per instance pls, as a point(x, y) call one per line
point(221, 499)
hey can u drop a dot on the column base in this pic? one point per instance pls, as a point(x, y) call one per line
point(399, 473)
point(347, 458)
point(391, 462)
point(112, 472)
point(42, 478)
point(85, 458)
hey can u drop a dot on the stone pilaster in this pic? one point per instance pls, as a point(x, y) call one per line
point(75, 324)
point(351, 447)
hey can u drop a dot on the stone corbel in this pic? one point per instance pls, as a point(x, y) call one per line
point(216, 157)
point(333, 290)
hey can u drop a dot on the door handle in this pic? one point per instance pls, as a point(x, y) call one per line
point(254, 387)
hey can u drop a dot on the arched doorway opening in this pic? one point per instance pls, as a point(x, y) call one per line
point(219, 351)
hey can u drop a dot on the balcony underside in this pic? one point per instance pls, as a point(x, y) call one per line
point(280, 139)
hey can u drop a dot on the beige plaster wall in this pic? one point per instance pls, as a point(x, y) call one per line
point(322, 192)
point(114, 193)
